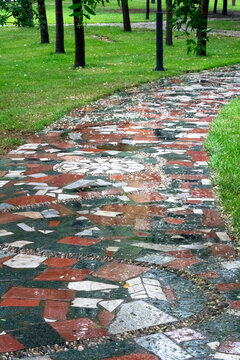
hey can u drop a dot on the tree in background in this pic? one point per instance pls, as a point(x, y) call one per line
point(21, 11)
point(215, 6)
point(59, 28)
point(126, 16)
point(147, 9)
point(169, 22)
point(191, 16)
point(43, 22)
point(224, 10)
point(82, 9)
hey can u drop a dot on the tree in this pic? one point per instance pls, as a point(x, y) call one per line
point(224, 10)
point(59, 28)
point(21, 11)
point(43, 22)
point(215, 7)
point(201, 31)
point(79, 36)
point(126, 16)
point(169, 23)
point(81, 9)
point(192, 16)
point(147, 9)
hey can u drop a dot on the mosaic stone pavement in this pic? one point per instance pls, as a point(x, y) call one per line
point(111, 243)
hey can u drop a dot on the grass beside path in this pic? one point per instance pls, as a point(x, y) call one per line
point(223, 144)
point(38, 86)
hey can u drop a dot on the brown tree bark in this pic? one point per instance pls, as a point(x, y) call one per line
point(79, 39)
point(43, 22)
point(201, 33)
point(59, 28)
point(215, 7)
point(169, 40)
point(126, 17)
point(224, 10)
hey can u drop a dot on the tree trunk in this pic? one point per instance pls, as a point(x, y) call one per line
point(233, 2)
point(79, 39)
point(43, 22)
point(59, 28)
point(27, 19)
point(201, 32)
point(153, 1)
point(126, 17)
point(147, 9)
point(224, 10)
point(215, 7)
point(168, 23)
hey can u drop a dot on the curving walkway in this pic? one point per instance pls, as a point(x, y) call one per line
point(111, 242)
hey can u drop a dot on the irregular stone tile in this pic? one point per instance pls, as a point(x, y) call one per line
point(78, 329)
point(119, 272)
point(105, 317)
point(184, 334)
point(63, 275)
point(19, 302)
point(85, 302)
point(135, 357)
point(230, 265)
point(91, 286)
point(20, 243)
point(222, 356)
point(182, 263)
point(223, 250)
point(25, 261)
point(60, 263)
point(79, 241)
point(156, 259)
point(38, 293)
point(111, 305)
point(163, 347)
point(230, 347)
point(8, 343)
point(55, 310)
point(30, 200)
point(137, 315)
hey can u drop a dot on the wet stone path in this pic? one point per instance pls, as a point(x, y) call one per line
point(111, 243)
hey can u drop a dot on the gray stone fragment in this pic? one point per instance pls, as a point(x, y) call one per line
point(138, 315)
point(163, 347)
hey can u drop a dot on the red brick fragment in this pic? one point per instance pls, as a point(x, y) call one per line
point(63, 275)
point(59, 263)
point(173, 220)
point(105, 317)
point(182, 263)
point(8, 343)
point(38, 293)
point(55, 310)
point(75, 240)
point(19, 302)
point(212, 218)
point(234, 304)
point(78, 329)
point(223, 250)
point(30, 200)
point(228, 287)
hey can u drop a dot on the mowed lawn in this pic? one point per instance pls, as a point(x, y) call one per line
point(38, 86)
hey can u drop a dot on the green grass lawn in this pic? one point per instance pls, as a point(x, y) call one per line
point(223, 144)
point(38, 86)
point(224, 25)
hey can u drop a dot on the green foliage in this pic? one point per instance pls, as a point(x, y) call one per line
point(84, 9)
point(188, 18)
point(20, 12)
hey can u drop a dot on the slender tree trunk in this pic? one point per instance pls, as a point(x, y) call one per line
point(224, 10)
point(126, 17)
point(215, 7)
point(153, 1)
point(43, 22)
point(59, 27)
point(201, 33)
point(168, 24)
point(147, 9)
point(79, 39)
point(233, 2)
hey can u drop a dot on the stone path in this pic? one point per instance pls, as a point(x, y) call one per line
point(111, 243)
